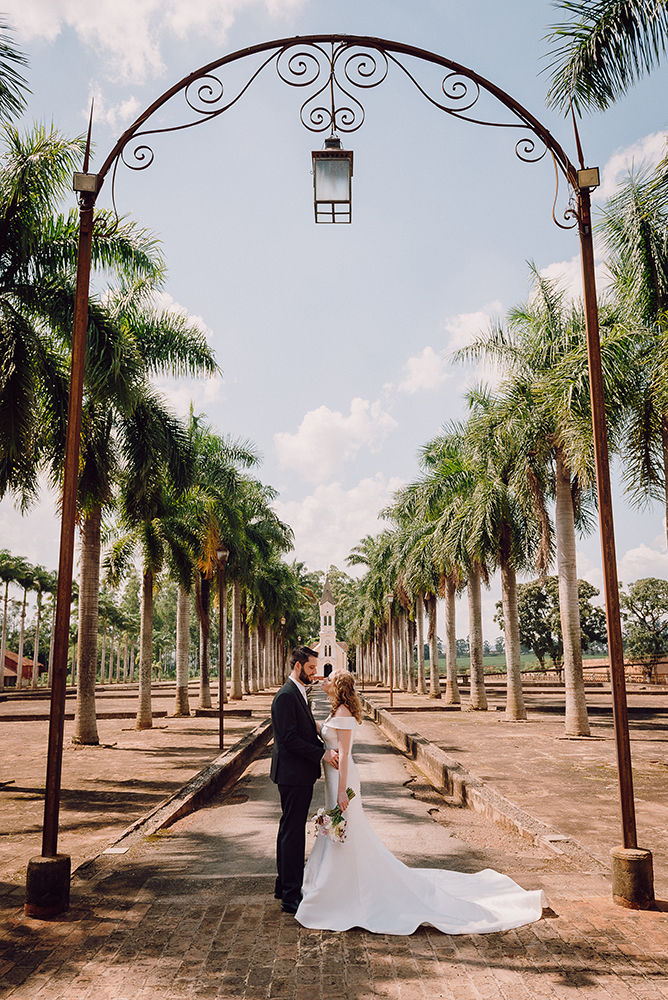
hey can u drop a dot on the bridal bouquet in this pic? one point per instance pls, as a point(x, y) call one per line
point(332, 823)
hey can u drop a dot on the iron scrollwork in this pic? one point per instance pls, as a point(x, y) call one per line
point(337, 71)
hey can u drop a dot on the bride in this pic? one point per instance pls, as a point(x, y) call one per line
point(359, 883)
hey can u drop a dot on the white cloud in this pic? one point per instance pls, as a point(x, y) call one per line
point(567, 274)
point(648, 150)
point(116, 116)
point(428, 370)
point(165, 301)
point(641, 562)
point(465, 327)
point(326, 438)
point(587, 570)
point(425, 372)
point(128, 33)
point(331, 520)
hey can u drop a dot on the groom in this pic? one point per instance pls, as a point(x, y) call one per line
point(295, 767)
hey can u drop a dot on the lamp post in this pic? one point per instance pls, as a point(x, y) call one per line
point(390, 599)
point(282, 652)
point(223, 555)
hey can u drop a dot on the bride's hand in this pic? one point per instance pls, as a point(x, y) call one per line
point(343, 801)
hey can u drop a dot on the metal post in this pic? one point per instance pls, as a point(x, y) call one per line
point(632, 866)
point(47, 886)
point(609, 557)
point(390, 644)
point(223, 556)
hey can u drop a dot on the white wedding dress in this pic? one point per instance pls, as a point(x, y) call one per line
point(359, 883)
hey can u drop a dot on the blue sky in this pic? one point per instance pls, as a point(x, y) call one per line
point(333, 341)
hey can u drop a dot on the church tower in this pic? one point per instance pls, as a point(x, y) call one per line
point(332, 655)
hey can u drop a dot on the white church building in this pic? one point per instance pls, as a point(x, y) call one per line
point(332, 655)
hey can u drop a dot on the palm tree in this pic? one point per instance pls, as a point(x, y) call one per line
point(604, 48)
point(38, 249)
point(44, 582)
point(25, 579)
point(544, 402)
point(216, 514)
point(634, 228)
point(13, 86)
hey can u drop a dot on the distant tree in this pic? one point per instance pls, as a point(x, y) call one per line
point(645, 614)
point(463, 647)
point(540, 621)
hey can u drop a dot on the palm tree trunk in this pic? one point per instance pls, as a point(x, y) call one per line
point(110, 676)
point(515, 709)
point(104, 652)
point(125, 659)
point(19, 665)
point(452, 695)
point(204, 642)
point(246, 656)
point(410, 662)
point(254, 662)
point(235, 685)
point(144, 711)
point(51, 645)
point(181, 704)
point(3, 645)
point(478, 696)
point(577, 721)
point(132, 662)
point(85, 721)
point(419, 623)
point(432, 639)
point(223, 639)
point(35, 658)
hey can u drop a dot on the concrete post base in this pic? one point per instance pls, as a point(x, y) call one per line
point(47, 886)
point(633, 878)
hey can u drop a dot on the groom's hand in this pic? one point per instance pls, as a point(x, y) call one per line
point(331, 757)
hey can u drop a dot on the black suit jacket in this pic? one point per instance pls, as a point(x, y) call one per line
point(298, 749)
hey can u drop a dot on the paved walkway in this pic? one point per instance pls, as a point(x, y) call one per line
point(190, 912)
point(107, 787)
point(570, 784)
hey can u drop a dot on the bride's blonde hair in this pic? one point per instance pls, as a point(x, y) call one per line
point(343, 693)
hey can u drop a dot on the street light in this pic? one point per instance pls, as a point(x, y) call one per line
point(282, 652)
point(223, 555)
point(332, 182)
point(390, 599)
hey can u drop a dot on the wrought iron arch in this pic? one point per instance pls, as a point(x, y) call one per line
point(337, 70)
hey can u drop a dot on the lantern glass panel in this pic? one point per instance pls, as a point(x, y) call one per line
point(332, 180)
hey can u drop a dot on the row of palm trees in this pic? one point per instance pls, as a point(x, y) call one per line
point(167, 492)
point(16, 571)
point(482, 502)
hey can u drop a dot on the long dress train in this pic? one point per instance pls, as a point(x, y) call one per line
point(359, 883)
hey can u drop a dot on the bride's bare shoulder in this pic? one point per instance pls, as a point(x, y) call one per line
point(343, 713)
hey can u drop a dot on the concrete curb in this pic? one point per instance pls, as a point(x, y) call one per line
point(217, 776)
point(466, 789)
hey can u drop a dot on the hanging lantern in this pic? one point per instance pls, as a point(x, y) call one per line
point(332, 182)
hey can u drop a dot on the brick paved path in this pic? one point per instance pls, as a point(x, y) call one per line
point(191, 914)
point(105, 787)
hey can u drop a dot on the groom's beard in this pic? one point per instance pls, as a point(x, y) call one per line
point(304, 677)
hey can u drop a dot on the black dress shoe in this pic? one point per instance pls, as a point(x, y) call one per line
point(290, 908)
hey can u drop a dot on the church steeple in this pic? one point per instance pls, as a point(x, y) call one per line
point(327, 596)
